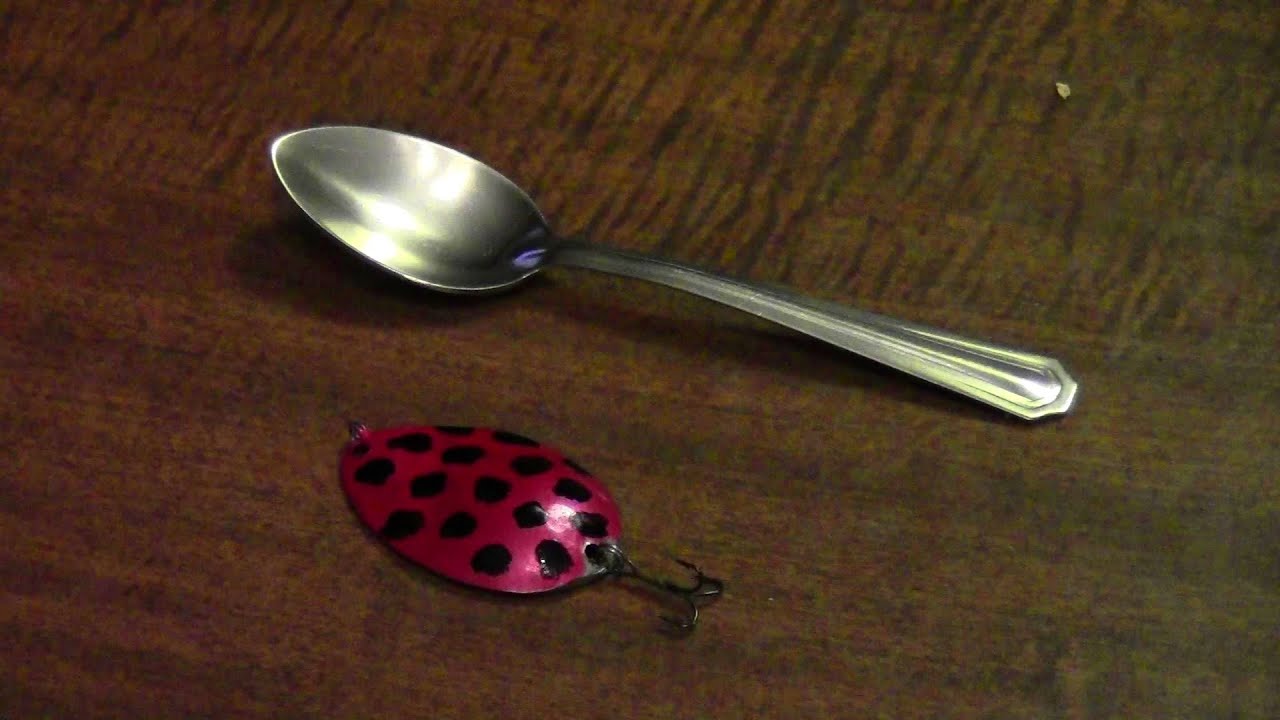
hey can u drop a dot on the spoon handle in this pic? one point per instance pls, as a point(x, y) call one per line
point(1026, 385)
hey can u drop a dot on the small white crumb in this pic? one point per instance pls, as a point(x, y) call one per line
point(1064, 90)
point(770, 599)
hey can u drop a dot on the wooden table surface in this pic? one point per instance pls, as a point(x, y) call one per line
point(180, 355)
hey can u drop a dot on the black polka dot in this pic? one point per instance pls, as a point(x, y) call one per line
point(591, 524)
point(458, 525)
point(553, 559)
point(375, 472)
point(462, 455)
point(530, 515)
point(491, 489)
point(413, 442)
point(360, 449)
point(530, 465)
point(491, 560)
point(428, 485)
point(510, 438)
point(576, 466)
point(401, 524)
point(455, 429)
point(572, 489)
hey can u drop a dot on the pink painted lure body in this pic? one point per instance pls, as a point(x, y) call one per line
point(491, 509)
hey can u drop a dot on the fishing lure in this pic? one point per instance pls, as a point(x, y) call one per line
point(494, 510)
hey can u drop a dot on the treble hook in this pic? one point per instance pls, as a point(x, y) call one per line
point(703, 585)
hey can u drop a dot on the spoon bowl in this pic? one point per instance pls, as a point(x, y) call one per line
point(420, 210)
point(445, 221)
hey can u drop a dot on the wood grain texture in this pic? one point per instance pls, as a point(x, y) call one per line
point(179, 356)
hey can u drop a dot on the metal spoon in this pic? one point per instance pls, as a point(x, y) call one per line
point(445, 221)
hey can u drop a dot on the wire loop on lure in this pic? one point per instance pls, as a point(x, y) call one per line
point(703, 587)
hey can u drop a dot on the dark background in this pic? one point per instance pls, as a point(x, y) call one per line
point(179, 357)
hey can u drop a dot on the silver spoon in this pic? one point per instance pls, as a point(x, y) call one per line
point(445, 221)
